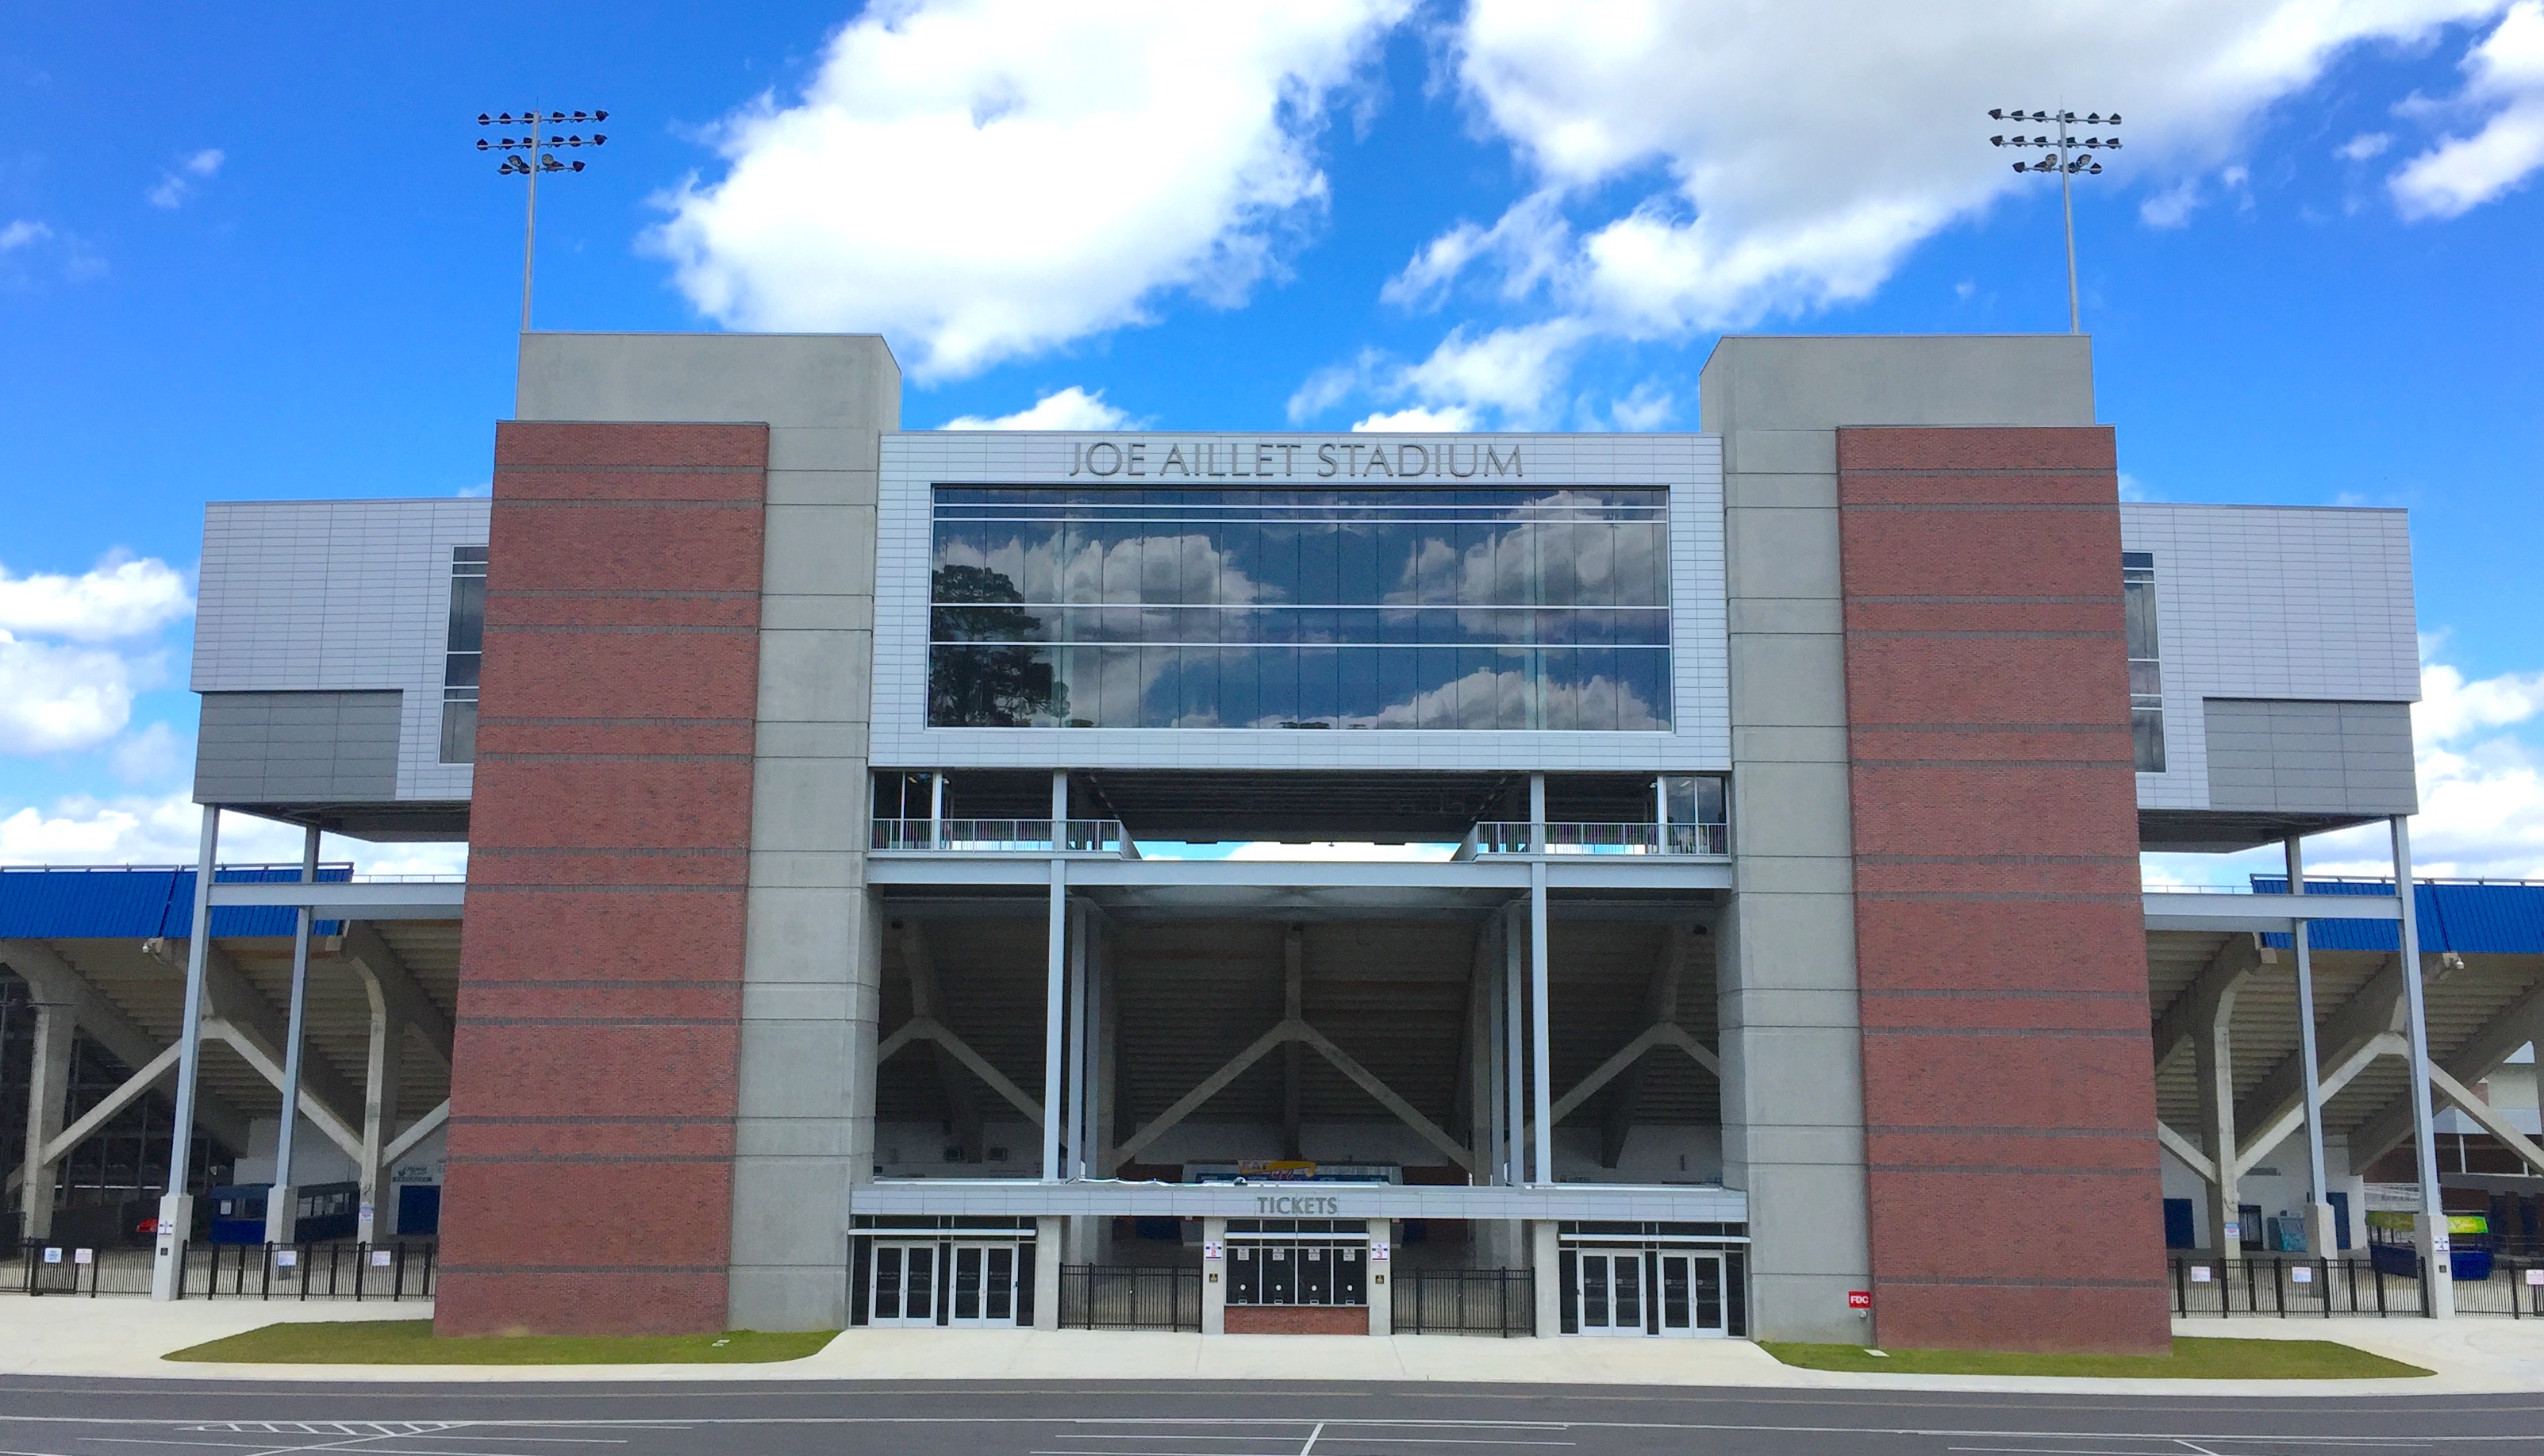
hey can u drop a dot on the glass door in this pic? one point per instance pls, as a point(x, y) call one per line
point(981, 1280)
point(1608, 1299)
point(903, 1285)
point(1691, 1294)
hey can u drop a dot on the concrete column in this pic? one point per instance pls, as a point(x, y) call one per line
point(1512, 1157)
point(2429, 1228)
point(1214, 1276)
point(176, 1205)
point(1382, 1263)
point(380, 1120)
point(1048, 1253)
point(2213, 1054)
point(47, 1088)
point(282, 1201)
point(1544, 1259)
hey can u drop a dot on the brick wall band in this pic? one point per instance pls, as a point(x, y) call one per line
point(593, 1089)
point(2008, 1095)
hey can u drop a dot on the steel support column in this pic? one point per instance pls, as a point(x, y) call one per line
point(1055, 1006)
point(2321, 1240)
point(2436, 1257)
point(283, 1199)
point(176, 1205)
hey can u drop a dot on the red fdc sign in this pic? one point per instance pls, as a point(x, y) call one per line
point(1859, 1299)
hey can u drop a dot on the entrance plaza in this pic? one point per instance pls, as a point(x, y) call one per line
point(1566, 885)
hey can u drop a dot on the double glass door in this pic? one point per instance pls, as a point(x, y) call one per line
point(1634, 1291)
point(963, 1284)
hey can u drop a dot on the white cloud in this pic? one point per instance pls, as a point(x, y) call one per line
point(2365, 146)
point(981, 179)
point(180, 182)
point(21, 233)
point(2504, 75)
point(166, 829)
point(1803, 153)
point(155, 754)
point(58, 699)
point(119, 596)
point(2450, 707)
point(2172, 206)
point(1646, 407)
point(1453, 419)
point(1072, 408)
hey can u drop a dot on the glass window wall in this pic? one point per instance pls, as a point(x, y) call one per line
point(1444, 608)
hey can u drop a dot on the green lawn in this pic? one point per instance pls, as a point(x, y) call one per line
point(2192, 1359)
point(412, 1342)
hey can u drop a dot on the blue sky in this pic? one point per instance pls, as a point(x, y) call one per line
point(260, 257)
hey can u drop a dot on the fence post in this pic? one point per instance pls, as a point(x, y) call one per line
point(265, 1274)
point(361, 1266)
point(2279, 1285)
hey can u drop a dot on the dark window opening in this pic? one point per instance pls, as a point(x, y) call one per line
point(463, 654)
point(2146, 673)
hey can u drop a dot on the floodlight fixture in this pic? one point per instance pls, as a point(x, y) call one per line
point(528, 156)
point(2069, 158)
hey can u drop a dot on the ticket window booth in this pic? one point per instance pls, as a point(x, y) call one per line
point(1654, 1281)
point(1298, 1261)
point(959, 1273)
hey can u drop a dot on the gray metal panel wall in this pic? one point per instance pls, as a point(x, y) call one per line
point(2312, 758)
point(263, 748)
point(811, 957)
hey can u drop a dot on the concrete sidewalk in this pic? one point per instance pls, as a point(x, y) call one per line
point(127, 1338)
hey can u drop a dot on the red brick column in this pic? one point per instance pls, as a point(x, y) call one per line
point(591, 1165)
point(2008, 1095)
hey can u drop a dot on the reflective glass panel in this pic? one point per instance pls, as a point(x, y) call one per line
point(1493, 608)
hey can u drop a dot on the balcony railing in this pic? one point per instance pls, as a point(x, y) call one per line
point(1004, 837)
point(1515, 838)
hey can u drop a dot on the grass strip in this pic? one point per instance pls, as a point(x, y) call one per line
point(2192, 1359)
point(413, 1342)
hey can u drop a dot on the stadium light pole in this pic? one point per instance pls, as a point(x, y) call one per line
point(2073, 155)
point(527, 156)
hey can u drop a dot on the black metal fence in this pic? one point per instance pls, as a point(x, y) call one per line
point(403, 1269)
point(1097, 1297)
point(2286, 1286)
point(1500, 1302)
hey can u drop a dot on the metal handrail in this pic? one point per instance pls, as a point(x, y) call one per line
point(1002, 837)
point(1517, 836)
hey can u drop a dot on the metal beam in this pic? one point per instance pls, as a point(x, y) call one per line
point(349, 899)
point(2175, 910)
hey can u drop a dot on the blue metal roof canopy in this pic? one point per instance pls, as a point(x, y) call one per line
point(2468, 916)
point(125, 902)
